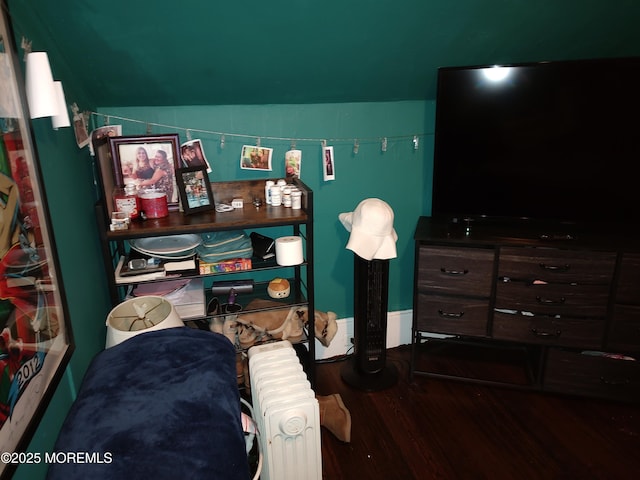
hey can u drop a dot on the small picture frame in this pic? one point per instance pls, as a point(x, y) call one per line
point(195, 189)
point(147, 161)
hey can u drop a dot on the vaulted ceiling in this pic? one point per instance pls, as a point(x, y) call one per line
point(199, 52)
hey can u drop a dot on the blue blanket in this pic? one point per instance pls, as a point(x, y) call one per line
point(161, 405)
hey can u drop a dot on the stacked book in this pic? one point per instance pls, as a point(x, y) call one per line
point(130, 269)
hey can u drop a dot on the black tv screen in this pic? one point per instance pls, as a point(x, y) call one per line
point(550, 141)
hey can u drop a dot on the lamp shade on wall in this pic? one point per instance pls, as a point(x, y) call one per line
point(62, 118)
point(41, 92)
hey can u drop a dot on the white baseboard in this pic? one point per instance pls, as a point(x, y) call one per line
point(398, 333)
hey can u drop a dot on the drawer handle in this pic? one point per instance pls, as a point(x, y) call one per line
point(444, 314)
point(550, 300)
point(555, 268)
point(539, 333)
point(614, 381)
point(453, 272)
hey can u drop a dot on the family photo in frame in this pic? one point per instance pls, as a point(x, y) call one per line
point(148, 162)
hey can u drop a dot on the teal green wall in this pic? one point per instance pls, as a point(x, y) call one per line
point(400, 176)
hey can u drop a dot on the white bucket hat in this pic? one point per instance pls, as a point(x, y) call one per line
point(372, 233)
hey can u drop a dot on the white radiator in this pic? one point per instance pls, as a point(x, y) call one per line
point(286, 413)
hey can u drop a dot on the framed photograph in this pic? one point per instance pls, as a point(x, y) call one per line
point(328, 164)
point(36, 340)
point(195, 189)
point(148, 161)
point(193, 155)
point(255, 158)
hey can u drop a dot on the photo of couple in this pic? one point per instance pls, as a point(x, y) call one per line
point(193, 155)
point(147, 163)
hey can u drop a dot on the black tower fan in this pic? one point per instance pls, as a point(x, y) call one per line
point(367, 369)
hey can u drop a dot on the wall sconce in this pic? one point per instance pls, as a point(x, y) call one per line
point(44, 96)
point(41, 93)
point(62, 118)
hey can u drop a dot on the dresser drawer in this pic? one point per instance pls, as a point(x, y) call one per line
point(557, 266)
point(576, 373)
point(452, 315)
point(629, 280)
point(624, 332)
point(548, 330)
point(561, 299)
point(462, 271)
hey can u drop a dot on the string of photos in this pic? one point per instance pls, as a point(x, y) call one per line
point(253, 155)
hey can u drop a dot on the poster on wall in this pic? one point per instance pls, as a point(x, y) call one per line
point(35, 335)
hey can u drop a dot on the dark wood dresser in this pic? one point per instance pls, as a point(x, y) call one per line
point(533, 306)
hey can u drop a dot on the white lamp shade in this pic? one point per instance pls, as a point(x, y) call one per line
point(62, 118)
point(41, 92)
point(140, 315)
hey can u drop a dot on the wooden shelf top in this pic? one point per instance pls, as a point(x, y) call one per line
point(247, 217)
point(178, 223)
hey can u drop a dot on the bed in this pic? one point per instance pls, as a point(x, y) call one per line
point(163, 405)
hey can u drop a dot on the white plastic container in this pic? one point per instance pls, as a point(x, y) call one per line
point(267, 191)
point(276, 196)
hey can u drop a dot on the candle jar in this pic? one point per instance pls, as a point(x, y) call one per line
point(125, 200)
point(153, 203)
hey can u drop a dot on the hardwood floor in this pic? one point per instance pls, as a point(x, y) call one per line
point(444, 429)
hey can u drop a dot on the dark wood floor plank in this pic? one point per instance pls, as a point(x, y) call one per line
point(442, 429)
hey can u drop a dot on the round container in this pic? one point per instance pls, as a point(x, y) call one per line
point(276, 196)
point(279, 288)
point(296, 200)
point(126, 201)
point(286, 196)
point(139, 315)
point(267, 191)
point(154, 203)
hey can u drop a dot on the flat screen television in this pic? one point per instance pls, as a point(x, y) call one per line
point(555, 141)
